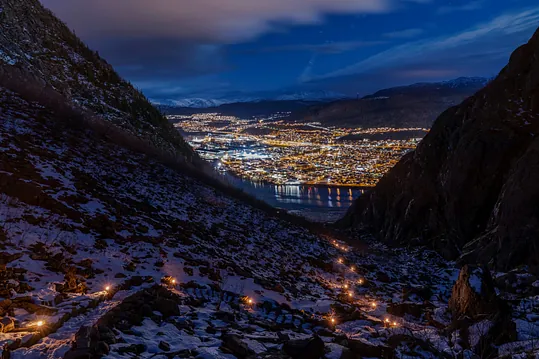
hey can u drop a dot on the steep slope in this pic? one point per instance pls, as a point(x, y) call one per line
point(79, 214)
point(41, 59)
point(416, 105)
point(470, 189)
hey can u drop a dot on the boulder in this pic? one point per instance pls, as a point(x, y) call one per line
point(313, 348)
point(473, 294)
point(233, 344)
point(164, 346)
point(167, 307)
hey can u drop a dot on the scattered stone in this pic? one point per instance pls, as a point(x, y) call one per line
point(133, 348)
point(164, 346)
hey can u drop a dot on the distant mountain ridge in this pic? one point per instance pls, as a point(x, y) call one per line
point(462, 83)
point(416, 105)
point(312, 96)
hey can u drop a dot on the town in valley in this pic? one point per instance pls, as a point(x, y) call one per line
point(278, 151)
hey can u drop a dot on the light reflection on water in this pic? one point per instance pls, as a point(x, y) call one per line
point(316, 202)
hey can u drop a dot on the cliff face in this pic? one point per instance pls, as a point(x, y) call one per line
point(471, 187)
point(41, 59)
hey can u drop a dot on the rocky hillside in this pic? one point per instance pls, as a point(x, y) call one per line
point(470, 189)
point(41, 59)
point(416, 105)
point(106, 252)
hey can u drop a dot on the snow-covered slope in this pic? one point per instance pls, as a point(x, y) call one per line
point(90, 229)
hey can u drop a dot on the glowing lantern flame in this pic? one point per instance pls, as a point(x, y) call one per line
point(40, 323)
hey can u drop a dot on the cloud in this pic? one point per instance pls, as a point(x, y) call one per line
point(212, 21)
point(482, 48)
point(469, 6)
point(404, 34)
point(325, 48)
point(162, 58)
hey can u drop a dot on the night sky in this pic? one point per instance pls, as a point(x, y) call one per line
point(211, 48)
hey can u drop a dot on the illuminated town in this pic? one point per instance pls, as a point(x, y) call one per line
point(275, 151)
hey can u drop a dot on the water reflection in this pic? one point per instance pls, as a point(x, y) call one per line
point(316, 202)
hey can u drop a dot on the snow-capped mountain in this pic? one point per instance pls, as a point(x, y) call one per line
point(313, 96)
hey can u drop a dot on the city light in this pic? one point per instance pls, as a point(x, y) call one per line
point(281, 152)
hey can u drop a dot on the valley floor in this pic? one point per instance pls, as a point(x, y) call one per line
point(105, 252)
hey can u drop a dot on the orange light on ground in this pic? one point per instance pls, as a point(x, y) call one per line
point(340, 260)
point(360, 281)
point(373, 304)
point(107, 288)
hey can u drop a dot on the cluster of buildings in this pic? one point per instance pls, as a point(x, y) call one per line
point(279, 152)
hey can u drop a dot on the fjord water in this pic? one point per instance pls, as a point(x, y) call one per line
point(317, 203)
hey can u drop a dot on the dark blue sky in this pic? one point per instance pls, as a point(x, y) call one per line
point(209, 48)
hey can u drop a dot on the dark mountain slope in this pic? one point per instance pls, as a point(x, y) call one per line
point(470, 189)
point(41, 59)
point(416, 105)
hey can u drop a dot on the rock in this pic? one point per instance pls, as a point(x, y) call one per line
point(101, 349)
point(474, 297)
point(234, 345)
point(136, 349)
point(119, 275)
point(473, 294)
point(313, 348)
point(167, 307)
point(6, 303)
point(164, 346)
point(6, 258)
point(106, 334)
point(383, 277)
point(7, 324)
point(364, 349)
point(347, 354)
point(82, 338)
point(78, 354)
point(401, 309)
